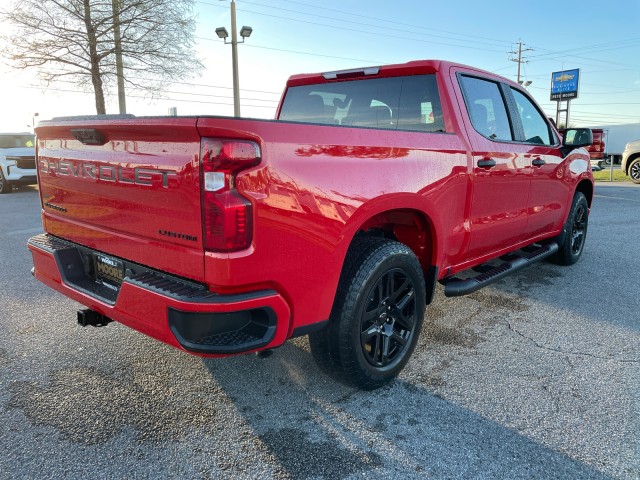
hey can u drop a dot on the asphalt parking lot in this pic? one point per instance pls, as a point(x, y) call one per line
point(537, 376)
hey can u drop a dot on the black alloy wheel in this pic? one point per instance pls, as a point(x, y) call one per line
point(377, 315)
point(388, 321)
point(574, 235)
point(579, 229)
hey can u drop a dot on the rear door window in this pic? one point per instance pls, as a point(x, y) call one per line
point(487, 108)
point(395, 103)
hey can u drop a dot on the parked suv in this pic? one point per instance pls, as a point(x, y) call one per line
point(631, 161)
point(17, 160)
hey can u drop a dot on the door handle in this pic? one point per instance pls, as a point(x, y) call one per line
point(486, 163)
point(538, 162)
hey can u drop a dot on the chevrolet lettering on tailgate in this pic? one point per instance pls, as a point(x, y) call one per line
point(106, 172)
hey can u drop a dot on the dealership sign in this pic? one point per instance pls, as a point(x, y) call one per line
point(564, 84)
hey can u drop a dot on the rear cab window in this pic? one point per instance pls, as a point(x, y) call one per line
point(394, 103)
point(487, 108)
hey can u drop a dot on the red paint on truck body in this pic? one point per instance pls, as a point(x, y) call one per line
point(316, 186)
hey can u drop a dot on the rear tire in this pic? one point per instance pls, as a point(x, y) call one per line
point(5, 186)
point(634, 171)
point(575, 232)
point(376, 317)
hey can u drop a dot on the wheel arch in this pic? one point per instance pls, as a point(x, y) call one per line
point(586, 188)
point(407, 224)
point(630, 160)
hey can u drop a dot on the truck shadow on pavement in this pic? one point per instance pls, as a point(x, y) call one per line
point(275, 417)
point(313, 427)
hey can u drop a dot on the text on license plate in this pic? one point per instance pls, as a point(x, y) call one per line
point(109, 270)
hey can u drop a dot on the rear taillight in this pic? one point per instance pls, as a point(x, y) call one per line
point(227, 216)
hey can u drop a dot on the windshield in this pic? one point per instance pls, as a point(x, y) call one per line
point(17, 141)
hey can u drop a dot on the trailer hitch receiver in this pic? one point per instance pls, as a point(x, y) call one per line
point(88, 317)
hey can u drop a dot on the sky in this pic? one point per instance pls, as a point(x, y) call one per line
point(302, 36)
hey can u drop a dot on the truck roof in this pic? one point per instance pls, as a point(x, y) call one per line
point(415, 67)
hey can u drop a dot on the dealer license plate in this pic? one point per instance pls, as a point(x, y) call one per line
point(109, 271)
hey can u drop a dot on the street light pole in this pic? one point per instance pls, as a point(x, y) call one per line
point(245, 32)
point(234, 59)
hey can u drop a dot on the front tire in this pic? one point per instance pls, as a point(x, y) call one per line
point(5, 186)
point(575, 232)
point(376, 317)
point(634, 171)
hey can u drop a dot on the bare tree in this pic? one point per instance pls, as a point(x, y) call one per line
point(85, 41)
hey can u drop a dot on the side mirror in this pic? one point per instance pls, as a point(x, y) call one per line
point(577, 137)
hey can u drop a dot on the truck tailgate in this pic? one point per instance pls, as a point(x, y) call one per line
point(126, 187)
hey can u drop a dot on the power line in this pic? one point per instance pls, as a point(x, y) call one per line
point(315, 54)
point(561, 56)
point(581, 49)
point(147, 98)
point(370, 24)
point(223, 87)
point(595, 48)
point(356, 30)
point(594, 121)
point(218, 96)
point(548, 53)
point(210, 39)
point(199, 94)
point(608, 115)
point(396, 23)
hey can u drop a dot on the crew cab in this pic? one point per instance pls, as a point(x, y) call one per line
point(337, 219)
point(17, 160)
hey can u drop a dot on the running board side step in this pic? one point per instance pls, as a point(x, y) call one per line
point(455, 287)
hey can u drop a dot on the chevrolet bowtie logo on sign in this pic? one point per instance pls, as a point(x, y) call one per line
point(564, 84)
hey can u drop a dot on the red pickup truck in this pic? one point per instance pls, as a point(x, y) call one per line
point(596, 149)
point(228, 235)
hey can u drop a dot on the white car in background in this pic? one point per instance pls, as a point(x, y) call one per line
point(17, 160)
point(631, 161)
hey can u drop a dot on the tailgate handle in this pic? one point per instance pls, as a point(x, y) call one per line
point(486, 163)
point(89, 136)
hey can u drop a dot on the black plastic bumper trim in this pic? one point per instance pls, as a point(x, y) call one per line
point(75, 269)
point(307, 329)
point(431, 281)
point(223, 332)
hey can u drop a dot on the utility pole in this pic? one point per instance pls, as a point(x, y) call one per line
point(234, 61)
point(519, 60)
point(117, 40)
point(245, 32)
